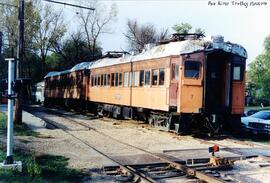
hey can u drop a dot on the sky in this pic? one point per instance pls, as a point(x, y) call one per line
point(238, 23)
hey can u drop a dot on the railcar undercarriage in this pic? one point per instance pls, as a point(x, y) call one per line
point(180, 123)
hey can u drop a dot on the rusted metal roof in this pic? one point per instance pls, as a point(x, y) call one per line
point(164, 50)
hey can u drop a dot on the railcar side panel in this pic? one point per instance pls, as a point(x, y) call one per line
point(111, 95)
point(153, 95)
point(105, 93)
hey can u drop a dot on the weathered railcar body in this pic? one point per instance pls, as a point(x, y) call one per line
point(67, 87)
point(170, 85)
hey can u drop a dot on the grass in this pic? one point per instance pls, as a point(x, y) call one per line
point(40, 169)
point(19, 130)
point(44, 168)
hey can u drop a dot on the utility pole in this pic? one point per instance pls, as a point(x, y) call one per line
point(19, 65)
point(1, 43)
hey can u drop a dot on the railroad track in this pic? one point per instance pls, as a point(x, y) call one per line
point(140, 173)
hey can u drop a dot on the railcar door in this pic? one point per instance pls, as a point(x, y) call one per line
point(217, 94)
point(174, 81)
point(191, 83)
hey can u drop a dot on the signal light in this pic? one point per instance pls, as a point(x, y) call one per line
point(213, 149)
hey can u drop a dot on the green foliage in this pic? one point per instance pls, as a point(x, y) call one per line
point(56, 168)
point(19, 130)
point(39, 169)
point(43, 169)
point(32, 167)
point(182, 28)
point(75, 50)
point(200, 31)
point(52, 61)
point(3, 123)
point(259, 74)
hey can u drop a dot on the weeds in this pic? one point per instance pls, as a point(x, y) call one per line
point(19, 130)
point(36, 169)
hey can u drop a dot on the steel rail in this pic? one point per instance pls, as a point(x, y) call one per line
point(178, 166)
point(136, 174)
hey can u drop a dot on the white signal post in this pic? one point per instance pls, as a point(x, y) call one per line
point(9, 163)
point(10, 111)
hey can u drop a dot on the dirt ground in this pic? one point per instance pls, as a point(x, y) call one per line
point(82, 155)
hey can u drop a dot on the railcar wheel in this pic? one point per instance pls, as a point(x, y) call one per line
point(151, 120)
point(100, 111)
point(184, 125)
point(213, 125)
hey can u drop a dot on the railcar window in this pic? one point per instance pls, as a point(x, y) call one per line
point(141, 77)
point(105, 79)
point(155, 77)
point(161, 76)
point(126, 79)
point(109, 79)
point(98, 80)
point(237, 73)
point(136, 78)
point(95, 80)
point(147, 78)
point(116, 79)
point(130, 78)
point(120, 79)
point(175, 71)
point(192, 69)
point(101, 80)
point(113, 80)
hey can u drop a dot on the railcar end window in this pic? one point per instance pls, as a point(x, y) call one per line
point(237, 73)
point(136, 78)
point(161, 76)
point(155, 77)
point(116, 79)
point(192, 69)
point(147, 78)
point(141, 77)
point(120, 79)
point(126, 79)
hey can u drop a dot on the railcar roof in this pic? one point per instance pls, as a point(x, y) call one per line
point(77, 67)
point(163, 50)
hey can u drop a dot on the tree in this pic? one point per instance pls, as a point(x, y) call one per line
point(94, 24)
point(185, 28)
point(72, 51)
point(51, 30)
point(9, 25)
point(260, 74)
point(139, 35)
point(43, 28)
point(182, 28)
point(199, 31)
